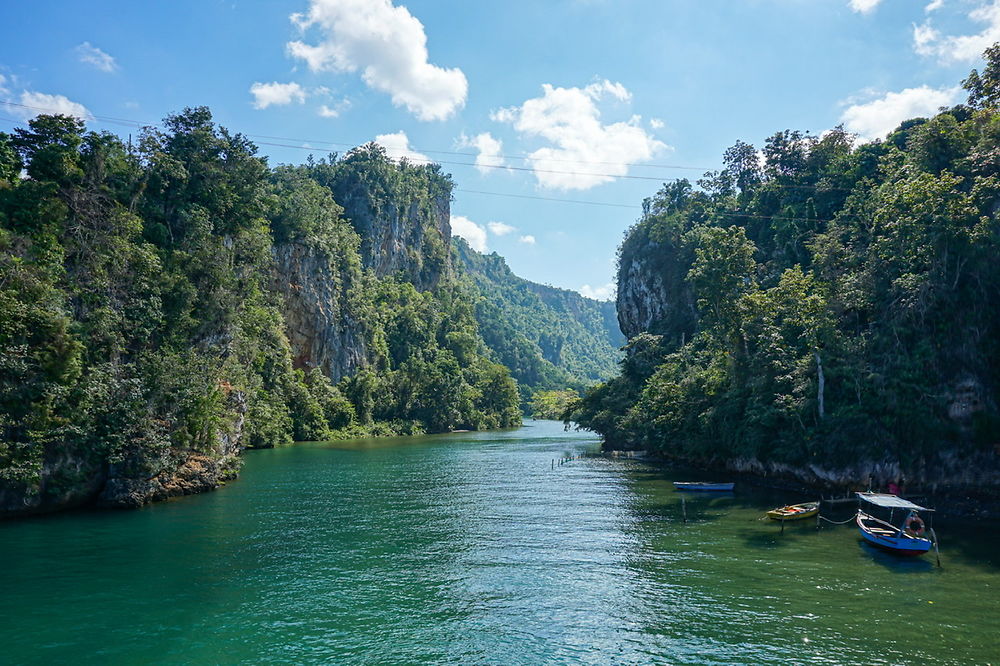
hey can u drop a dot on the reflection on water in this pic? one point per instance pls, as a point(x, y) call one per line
point(471, 548)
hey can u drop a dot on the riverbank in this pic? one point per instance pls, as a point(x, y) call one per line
point(141, 480)
point(948, 501)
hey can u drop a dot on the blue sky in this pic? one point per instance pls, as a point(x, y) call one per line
point(557, 102)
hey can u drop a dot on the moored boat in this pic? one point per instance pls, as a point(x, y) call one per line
point(794, 511)
point(905, 538)
point(703, 485)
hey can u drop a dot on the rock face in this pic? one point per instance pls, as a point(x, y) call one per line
point(322, 327)
point(655, 298)
point(71, 479)
point(67, 479)
point(141, 479)
point(948, 472)
point(406, 234)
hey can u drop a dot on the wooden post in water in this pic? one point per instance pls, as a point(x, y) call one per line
point(937, 553)
point(684, 509)
point(782, 525)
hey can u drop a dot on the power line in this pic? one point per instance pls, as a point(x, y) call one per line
point(536, 198)
point(138, 124)
point(494, 166)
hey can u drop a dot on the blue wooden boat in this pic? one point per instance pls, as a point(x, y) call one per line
point(902, 533)
point(703, 485)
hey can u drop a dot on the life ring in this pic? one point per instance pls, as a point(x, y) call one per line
point(914, 525)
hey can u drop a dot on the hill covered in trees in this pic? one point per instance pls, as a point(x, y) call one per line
point(827, 312)
point(549, 338)
point(164, 305)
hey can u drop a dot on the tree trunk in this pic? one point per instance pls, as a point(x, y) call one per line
point(822, 385)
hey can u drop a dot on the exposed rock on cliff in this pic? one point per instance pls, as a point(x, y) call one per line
point(323, 329)
point(653, 294)
point(405, 229)
point(142, 478)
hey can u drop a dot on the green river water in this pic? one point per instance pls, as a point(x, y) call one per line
point(471, 549)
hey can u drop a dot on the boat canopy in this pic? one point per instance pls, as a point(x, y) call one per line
point(890, 501)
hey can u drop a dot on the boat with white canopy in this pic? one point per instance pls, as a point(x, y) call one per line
point(899, 528)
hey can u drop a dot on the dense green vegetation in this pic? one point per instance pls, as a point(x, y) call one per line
point(551, 404)
point(835, 302)
point(139, 319)
point(549, 338)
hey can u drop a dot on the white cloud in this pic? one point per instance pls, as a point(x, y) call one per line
point(276, 94)
point(91, 55)
point(878, 117)
point(489, 151)
point(499, 228)
point(616, 90)
point(928, 41)
point(388, 46)
point(465, 228)
point(656, 123)
point(527, 240)
point(864, 6)
point(334, 111)
point(41, 103)
point(934, 5)
point(397, 146)
point(603, 293)
point(592, 153)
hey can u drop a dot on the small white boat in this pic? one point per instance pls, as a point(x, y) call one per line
point(703, 485)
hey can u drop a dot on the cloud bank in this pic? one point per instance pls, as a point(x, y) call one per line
point(91, 55)
point(276, 94)
point(570, 120)
point(42, 103)
point(875, 119)
point(489, 151)
point(949, 49)
point(397, 146)
point(474, 234)
point(388, 46)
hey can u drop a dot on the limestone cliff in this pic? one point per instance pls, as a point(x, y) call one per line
point(653, 294)
point(323, 328)
point(402, 213)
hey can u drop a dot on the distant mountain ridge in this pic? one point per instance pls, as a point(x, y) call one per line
point(549, 338)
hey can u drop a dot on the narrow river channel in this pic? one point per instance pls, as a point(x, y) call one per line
point(470, 548)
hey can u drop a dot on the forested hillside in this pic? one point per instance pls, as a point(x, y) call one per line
point(548, 338)
point(165, 304)
point(829, 311)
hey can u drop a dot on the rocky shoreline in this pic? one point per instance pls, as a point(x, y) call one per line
point(949, 496)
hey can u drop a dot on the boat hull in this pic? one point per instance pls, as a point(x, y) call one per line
point(697, 485)
point(897, 544)
point(808, 510)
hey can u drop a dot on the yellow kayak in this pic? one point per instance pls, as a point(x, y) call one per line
point(794, 511)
